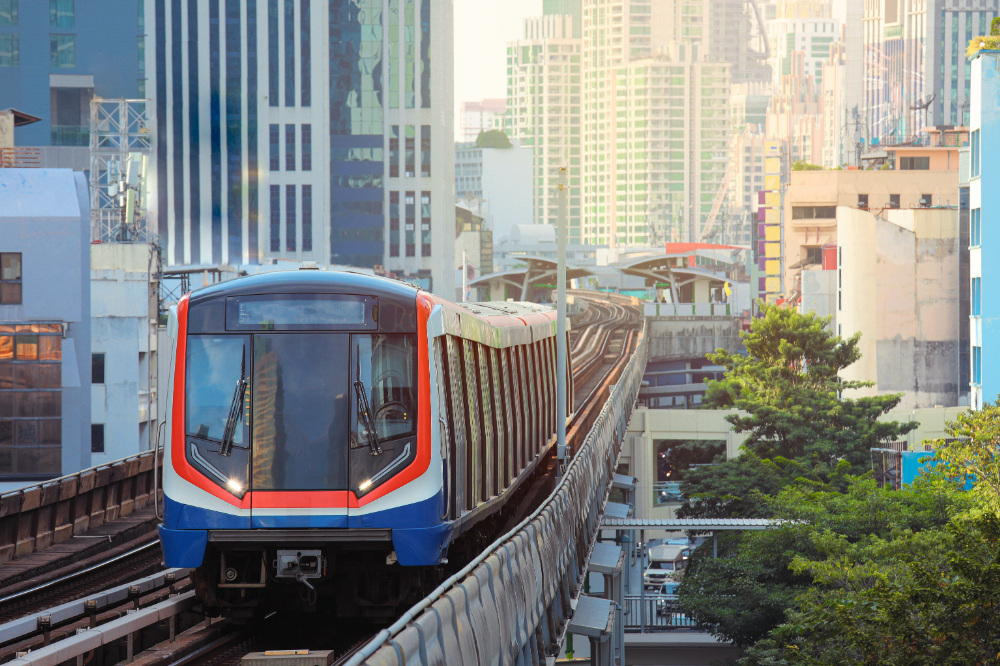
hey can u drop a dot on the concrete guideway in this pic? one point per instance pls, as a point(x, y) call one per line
point(515, 602)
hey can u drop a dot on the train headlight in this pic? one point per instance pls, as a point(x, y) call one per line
point(235, 486)
point(365, 485)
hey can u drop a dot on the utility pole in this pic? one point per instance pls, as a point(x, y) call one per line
point(561, 325)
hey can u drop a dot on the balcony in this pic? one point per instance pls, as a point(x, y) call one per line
point(20, 158)
point(70, 135)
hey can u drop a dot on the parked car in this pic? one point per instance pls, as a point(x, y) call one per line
point(665, 563)
point(667, 603)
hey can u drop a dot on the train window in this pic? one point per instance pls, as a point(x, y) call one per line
point(301, 411)
point(517, 380)
point(458, 425)
point(388, 371)
point(214, 365)
point(474, 461)
point(489, 425)
point(301, 312)
point(502, 424)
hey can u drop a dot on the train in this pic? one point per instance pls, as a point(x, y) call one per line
point(334, 436)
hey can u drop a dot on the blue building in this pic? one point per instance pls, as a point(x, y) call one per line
point(55, 55)
point(984, 205)
point(45, 360)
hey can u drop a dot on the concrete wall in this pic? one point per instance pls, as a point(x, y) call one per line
point(688, 337)
point(45, 215)
point(507, 185)
point(900, 290)
point(124, 315)
point(819, 294)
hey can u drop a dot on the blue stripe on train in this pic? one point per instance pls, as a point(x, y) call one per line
point(418, 535)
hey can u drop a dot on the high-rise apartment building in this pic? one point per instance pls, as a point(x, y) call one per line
point(806, 27)
point(57, 55)
point(746, 155)
point(795, 116)
point(544, 94)
point(737, 34)
point(476, 117)
point(953, 23)
point(656, 121)
point(305, 130)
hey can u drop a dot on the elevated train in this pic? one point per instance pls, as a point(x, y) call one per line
point(332, 435)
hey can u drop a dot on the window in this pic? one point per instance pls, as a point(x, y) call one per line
point(289, 147)
point(926, 200)
point(30, 400)
point(97, 368)
point(275, 218)
point(393, 224)
point(307, 218)
point(975, 153)
point(977, 296)
point(893, 201)
point(425, 224)
point(862, 201)
point(388, 370)
point(306, 57)
point(411, 215)
point(394, 151)
point(976, 228)
point(814, 255)
point(814, 212)
point(10, 50)
point(425, 150)
point(97, 438)
point(62, 14)
point(410, 151)
point(290, 218)
point(289, 53)
point(62, 51)
point(914, 163)
point(275, 149)
point(307, 148)
point(977, 365)
point(10, 278)
point(8, 12)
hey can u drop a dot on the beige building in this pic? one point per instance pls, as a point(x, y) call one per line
point(815, 200)
point(543, 111)
point(651, 427)
point(899, 287)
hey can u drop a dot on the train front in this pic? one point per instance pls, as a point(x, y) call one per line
point(297, 464)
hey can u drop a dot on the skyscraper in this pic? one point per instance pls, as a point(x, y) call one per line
point(543, 111)
point(305, 130)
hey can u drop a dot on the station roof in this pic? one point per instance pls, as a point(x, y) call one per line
point(538, 269)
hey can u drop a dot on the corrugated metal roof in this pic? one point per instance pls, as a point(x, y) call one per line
point(694, 523)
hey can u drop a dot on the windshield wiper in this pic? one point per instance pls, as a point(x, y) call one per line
point(364, 411)
point(235, 412)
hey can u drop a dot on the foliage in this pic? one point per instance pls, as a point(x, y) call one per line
point(789, 387)
point(802, 165)
point(679, 456)
point(995, 27)
point(975, 454)
point(493, 139)
point(763, 580)
point(929, 598)
point(741, 487)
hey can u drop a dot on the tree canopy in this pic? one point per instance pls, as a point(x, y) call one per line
point(493, 139)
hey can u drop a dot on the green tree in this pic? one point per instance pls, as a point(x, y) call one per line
point(789, 386)
point(493, 139)
point(801, 165)
point(762, 579)
point(975, 453)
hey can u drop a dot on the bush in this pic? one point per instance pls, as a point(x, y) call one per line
point(493, 139)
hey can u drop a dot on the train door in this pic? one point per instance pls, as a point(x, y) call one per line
point(301, 397)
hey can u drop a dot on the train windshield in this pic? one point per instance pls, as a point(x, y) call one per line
point(301, 411)
point(214, 366)
point(387, 368)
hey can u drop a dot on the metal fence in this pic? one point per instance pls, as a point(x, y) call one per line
point(510, 605)
point(655, 612)
point(686, 310)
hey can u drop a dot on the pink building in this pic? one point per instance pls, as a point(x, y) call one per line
point(475, 117)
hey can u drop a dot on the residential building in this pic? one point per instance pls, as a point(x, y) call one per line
point(748, 104)
point(746, 159)
point(473, 251)
point(543, 112)
point(984, 201)
point(898, 278)
point(737, 34)
point(915, 71)
point(951, 25)
point(55, 56)
point(476, 117)
point(815, 201)
point(306, 130)
point(124, 369)
point(499, 176)
point(806, 27)
point(44, 325)
point(795, 116)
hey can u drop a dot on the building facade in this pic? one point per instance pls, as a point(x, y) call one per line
point(305, 130)
point(44, 325)
point(950, 28)
point(500, 177)
point(806, 27)
point(55, 56)
point(476, 117)
point(543, 112)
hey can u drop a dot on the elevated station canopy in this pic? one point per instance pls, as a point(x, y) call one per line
point(538, 274)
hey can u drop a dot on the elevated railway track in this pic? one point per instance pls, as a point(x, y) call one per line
point(519, 589)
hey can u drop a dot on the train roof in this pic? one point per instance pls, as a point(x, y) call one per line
point(505, 308)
